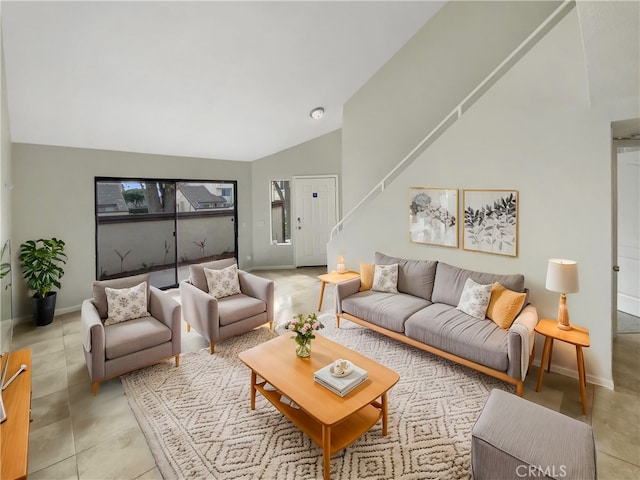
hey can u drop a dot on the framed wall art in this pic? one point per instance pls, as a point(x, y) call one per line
point(491, 221)
point(433, 216)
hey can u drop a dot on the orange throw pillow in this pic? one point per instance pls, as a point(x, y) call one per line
point(366, 276)
point(505, 305)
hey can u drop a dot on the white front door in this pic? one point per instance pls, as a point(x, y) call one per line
point(315, 214)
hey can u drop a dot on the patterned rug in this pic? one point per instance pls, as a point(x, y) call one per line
point(198, 423)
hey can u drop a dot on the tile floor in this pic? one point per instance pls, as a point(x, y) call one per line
point(77, 436)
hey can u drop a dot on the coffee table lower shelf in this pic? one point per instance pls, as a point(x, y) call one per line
point(341, 434)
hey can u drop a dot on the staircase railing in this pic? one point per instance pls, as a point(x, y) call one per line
point(457, 112)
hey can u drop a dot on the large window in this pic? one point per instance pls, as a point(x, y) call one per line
point(280, 212)
point(162, 226)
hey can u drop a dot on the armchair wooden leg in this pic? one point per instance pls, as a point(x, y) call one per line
point(270, 325)
point(188, 328)
point(95, 388)
point(519, 388)
point(211, 345)
point(177, 360)
point(337, 321)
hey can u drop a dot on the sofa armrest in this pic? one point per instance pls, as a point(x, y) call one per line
point(93, 340)
point(520, 342)
point(200, 310)
point(166, 310)
point(346, 289)
point(260, 288)
point(91, 327)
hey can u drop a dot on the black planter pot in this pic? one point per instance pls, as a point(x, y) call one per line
point(43, 309)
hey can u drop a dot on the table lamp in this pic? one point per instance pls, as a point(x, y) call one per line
point(562, 277)
point(341, 267)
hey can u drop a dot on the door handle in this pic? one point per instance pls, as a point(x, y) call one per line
point(616, 268)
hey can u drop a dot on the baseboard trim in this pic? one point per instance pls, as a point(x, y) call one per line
point(273, 267)
point(568, 372)
point(59, 311)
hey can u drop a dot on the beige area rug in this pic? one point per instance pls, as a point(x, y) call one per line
point(198, 422)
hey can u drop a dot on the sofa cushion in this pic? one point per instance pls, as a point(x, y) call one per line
point(239, 307)
point(450, 280)
point(223, 282)
point(453, 331)
point(126, 303)
point(505, 305)
point(475, 299)
point(366, 276)
point(100, 297)
point(415, 277)
point(387, 310)
point(133, 336)
point(196, 272)
point(385, 278)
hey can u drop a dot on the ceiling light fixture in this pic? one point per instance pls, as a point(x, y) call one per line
point(317, 113)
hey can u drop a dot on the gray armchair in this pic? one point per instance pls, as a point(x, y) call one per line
point(217, 319)
point(113, 350)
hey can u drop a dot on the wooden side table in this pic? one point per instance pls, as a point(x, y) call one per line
point(14, 431)
point(334, 278)
point(578, 336)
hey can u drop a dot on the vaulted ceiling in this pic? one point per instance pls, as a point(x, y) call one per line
point(226, 80)
point(232, 80)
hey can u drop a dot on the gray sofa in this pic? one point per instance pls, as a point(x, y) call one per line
point(423, 314)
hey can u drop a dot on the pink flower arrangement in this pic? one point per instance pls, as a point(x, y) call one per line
point(304, 327)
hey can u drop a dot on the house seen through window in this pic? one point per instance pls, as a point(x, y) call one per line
point(160, 227)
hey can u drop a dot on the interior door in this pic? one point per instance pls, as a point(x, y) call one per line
point(315, 214)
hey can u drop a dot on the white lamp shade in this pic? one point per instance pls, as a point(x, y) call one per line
point(562, 276)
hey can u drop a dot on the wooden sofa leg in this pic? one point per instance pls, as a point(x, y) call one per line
point(95, 388)
point(211, 345)
point(188, 328)
point(177, 360)
point(519, 388)
point(337, 321)
point(270, 325)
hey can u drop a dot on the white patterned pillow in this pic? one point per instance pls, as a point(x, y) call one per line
point(385, 278)
point(475, 299)
point(224, 282)
point(126, 303)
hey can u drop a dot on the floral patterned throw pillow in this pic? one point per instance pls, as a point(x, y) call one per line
point(475, 299)
point(385, 278)
point(224, 282)
point(126, 303)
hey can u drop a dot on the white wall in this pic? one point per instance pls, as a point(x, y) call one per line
point(532, 132)
point(5, 187)
point(320, 156)
point(425, 81)
point(629, 230)
point(53, 196)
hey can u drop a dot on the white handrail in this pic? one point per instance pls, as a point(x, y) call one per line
point(456, 112)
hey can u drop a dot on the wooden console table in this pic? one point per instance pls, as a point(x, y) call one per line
point(14, 431)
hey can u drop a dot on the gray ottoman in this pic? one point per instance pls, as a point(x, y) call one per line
point(516, 438)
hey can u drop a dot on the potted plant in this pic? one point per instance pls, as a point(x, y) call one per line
point(40, 263)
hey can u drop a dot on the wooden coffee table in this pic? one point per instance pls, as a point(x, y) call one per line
point(331, 421)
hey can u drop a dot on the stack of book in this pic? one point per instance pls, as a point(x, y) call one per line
point(340, 385)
